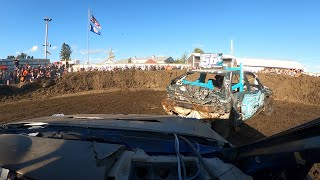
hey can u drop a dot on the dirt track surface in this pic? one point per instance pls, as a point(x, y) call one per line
point(105, 92)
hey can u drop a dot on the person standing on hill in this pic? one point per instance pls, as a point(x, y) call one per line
point(16, 63)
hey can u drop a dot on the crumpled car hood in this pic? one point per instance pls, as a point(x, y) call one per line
point(197, 102)
point(196, 94)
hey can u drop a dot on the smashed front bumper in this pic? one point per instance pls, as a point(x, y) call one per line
point(192, 110)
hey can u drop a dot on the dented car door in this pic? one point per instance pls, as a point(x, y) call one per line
point(254, 98)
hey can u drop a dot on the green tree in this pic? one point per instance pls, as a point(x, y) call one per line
point(183, 59)
point(65, 52)
point(11, 57)
point(22, 56)
point(198, 50)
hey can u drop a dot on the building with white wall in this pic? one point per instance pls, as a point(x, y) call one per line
point(250, 64)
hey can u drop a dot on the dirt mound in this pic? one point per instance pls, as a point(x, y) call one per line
point(19, 89)
point(83, 81)
point(8, 91)
point(303, 89)
point(25, 89)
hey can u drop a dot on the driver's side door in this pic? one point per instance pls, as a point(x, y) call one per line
point(254, 98)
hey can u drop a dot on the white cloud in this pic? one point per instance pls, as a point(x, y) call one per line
point(33, 49)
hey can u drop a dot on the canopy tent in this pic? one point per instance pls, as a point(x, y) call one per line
point(2, 67)
point(266, 63)
point(150, 61)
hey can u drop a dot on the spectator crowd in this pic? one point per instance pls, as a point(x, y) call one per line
point(115, 67)
point(288, 72)
point(27, 73)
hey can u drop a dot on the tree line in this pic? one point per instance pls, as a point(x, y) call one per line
point(20, 56)
point(65, 53)
point(184, 57)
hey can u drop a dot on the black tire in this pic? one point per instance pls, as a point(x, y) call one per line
point(237, 129)
point(268, 108)
point(235, 121)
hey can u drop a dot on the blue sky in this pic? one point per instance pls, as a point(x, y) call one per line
point(270, 29)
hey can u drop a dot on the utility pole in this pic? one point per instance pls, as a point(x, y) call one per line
point(231, 48)
point(47, 20)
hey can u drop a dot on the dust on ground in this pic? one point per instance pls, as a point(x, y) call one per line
point(140, 92)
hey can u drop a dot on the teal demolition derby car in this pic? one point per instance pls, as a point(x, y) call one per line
point(223, 96)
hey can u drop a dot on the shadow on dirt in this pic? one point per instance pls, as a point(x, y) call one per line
point(240, 135)
point(244, 135)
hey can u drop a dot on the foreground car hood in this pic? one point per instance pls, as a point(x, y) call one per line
point(38, 158)
point(153, 123)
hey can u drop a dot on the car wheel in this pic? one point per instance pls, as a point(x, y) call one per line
point(166, 107)
point(237, 129)
point(235, 121)
point(268, 108)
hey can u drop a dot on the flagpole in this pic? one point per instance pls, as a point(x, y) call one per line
point(88, 34)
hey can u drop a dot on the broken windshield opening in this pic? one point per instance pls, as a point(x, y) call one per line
point(206, 80)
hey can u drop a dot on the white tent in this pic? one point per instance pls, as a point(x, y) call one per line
point(250, 62)
point(108, 62)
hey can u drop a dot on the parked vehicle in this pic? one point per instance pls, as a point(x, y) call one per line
point(224, 97)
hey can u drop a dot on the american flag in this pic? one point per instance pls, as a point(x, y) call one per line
point(94, 30)
point(95, 22)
